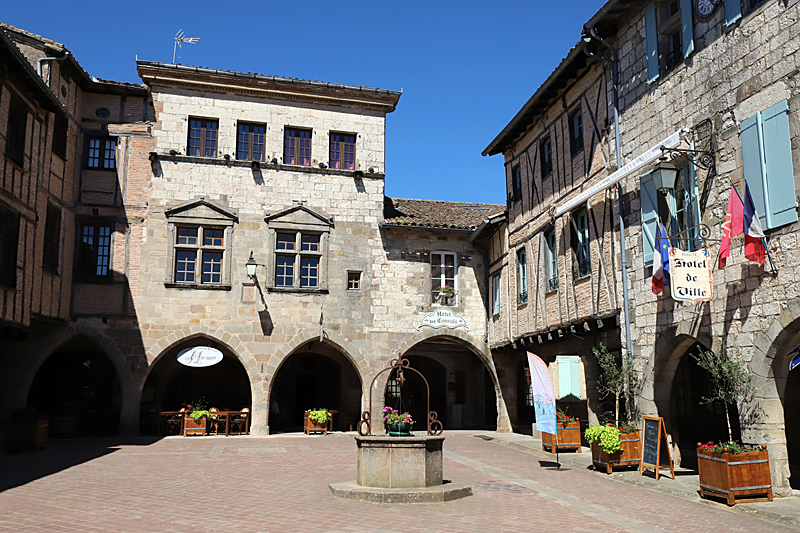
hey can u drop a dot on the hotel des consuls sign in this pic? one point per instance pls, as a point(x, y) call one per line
point(443, 318)
point(690, 275)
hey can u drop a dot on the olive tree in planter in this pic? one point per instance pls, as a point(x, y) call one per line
point(617, 379)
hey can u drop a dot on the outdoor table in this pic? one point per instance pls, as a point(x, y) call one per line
point(164, 415)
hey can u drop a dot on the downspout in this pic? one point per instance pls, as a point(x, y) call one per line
point(46, 58)
point(614, 83)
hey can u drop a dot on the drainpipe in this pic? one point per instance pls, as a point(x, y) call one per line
point(41, 59)
point(614, 82)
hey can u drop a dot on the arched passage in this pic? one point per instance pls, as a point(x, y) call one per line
point(315, 375)
point(170, 385)
point(78, 388)
point(462, 387)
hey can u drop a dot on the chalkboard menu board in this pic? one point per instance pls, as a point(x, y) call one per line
point(655, 448)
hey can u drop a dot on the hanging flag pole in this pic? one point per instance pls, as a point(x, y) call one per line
point(764, 242)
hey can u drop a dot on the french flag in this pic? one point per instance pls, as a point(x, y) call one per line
point(753, 234)
point(661, 260)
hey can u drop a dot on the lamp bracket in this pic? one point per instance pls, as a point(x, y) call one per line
point(705, 159)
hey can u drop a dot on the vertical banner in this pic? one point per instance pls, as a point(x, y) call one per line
point(544, 404)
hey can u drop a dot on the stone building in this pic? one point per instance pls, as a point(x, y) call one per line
point(221, 169)
point(718, 79)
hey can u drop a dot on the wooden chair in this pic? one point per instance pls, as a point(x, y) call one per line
point(175, 422)
point(240, 421)
point(215, 421)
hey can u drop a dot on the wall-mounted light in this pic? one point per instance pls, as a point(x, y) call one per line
point(251, 266)
point(664, 175)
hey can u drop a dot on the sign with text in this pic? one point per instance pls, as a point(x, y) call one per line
point(655, 448)
point(443, 318)
point(199, 356)
point(690, 275)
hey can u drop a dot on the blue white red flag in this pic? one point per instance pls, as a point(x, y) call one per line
point(753, 234)
point(544, 404)
point(660, 260)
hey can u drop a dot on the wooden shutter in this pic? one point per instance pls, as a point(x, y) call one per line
point(496, 294)
point(687, 27)
point(648, 198)
point(569, 379)
point(9, 245)
point(651, 38)
point(733, 11)
point(753, 168)
point(781, 201)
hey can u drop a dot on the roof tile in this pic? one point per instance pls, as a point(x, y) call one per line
point(437, 213)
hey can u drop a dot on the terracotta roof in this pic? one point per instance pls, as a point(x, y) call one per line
point(437, 214)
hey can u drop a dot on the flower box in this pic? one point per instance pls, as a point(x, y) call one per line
point(740, 477)
point(569, 438)
point(630, 455)
point(192, 426)
point(26, 435)
point(311, 426)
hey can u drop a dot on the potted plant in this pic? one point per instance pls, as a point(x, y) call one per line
point(614, 445)
point(729, 469)
point(316, 421)
point(195, 417)
point(25, 430)
point(616, 379)
point(734, 472)
point(397, 424)
point(568, 437)
point(446, 293)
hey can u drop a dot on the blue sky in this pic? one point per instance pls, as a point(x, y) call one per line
point(465, 68)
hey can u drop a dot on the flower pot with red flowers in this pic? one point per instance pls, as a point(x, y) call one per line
point(397, 424)
point(614, 446)
point(195, 418)
point(568, 437)
point(734, 472)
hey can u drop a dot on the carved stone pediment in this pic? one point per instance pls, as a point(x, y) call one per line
point(299, 217)
point(201, 211)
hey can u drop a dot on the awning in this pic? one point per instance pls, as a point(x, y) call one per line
point(645, 159)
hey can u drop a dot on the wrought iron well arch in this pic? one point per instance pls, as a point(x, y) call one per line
point(400, 364)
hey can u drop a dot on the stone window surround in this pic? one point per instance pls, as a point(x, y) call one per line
point(224, 221)
point(322, 228)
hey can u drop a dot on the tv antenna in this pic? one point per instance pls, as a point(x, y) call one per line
point(180, 38)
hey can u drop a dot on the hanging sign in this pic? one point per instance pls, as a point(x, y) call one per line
point(199, 356)
point(544, 405)
point(655, 449)
point(443, 318)
point(794, 358)
point(690, 275)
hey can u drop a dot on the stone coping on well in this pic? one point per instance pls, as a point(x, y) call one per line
point(413, 439)
point(448, 491)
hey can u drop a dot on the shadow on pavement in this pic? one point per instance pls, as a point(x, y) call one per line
point(60, 454)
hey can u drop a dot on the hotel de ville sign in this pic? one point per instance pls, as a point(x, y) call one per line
point(443, 318)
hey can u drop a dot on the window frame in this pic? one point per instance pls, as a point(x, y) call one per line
point(88, 265)
point(17, 129)
point(546, 148)
point(495, 282)
point(437, 298)
point(200, 249)
point(52, 238)
point(522, 276)
point(354, 274)
point(298, 255)
point(551, 265)
point(340, 145)
point(204, 136)
point(516, 183)
point(576, 140)
point(582, 244)
point(102, 156)
point(9, 245)
point(286, 137)
point(251, 141)
point(60, 135)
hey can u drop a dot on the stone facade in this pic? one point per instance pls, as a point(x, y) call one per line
point(734, 68)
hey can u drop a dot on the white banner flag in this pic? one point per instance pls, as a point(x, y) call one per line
point(544, 404)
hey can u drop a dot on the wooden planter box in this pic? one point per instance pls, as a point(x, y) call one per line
point(741, 477)
point(310, 426)
point(630, 455)
point(569, 438)
point(26, 436)
point(66, 426)
point(193, 427)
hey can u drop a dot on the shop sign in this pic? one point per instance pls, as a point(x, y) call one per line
point(690, 275)
point(199, 356)
point(443, 318)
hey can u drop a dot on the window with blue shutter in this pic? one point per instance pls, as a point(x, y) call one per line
point(733, 11)
point(648, 198)
point(651, 39)
point(569, 378)
point(687, 27)
point(767, 161)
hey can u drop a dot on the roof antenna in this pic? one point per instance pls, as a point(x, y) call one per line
point(180, 38)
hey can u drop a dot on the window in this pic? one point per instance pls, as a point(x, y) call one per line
point(767, 159)
point(343, 151)
point(60, 130)
point(516, 183)
point(576, 132)
point(102, 153)
point(669, 36)
point(444, 272)
point(52, 238)
point(199, 253)
point(552, 259)
point(735, 8)
point(95, 251)
point(297, 249)
point(522, 276)
point(496, 294)
point(17, 130)
point(203, 137)
point(580, 243)
point(353, 281)
point(9, 242)
point(250, 141)
point(297, 147)
point(546, 155)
